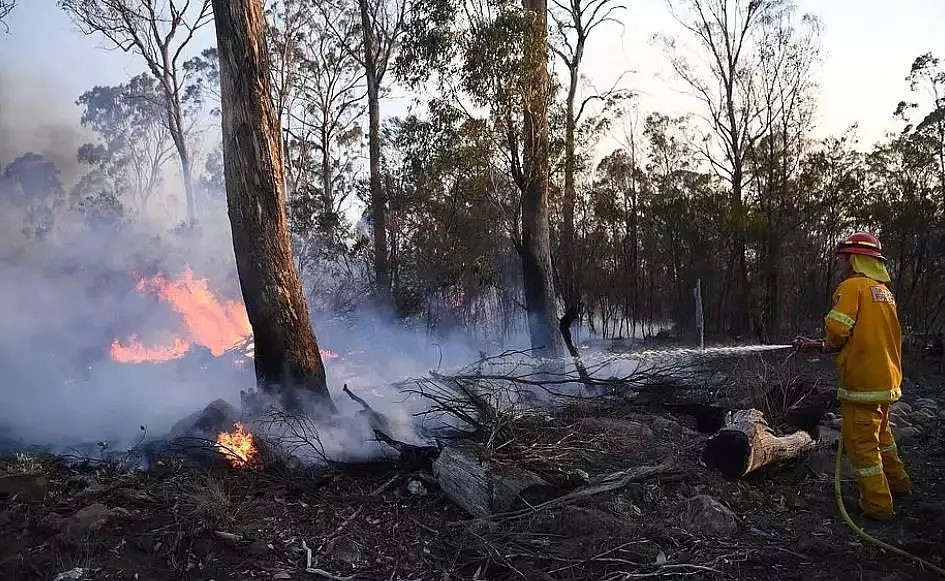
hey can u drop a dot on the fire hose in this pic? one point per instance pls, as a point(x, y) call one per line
point(795, 347)
point(802, 344)
point(863, 534)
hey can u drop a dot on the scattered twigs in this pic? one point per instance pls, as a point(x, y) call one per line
point(329, 541)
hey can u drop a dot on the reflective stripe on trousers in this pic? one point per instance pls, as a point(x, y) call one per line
point(855, 396)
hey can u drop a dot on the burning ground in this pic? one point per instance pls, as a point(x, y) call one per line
point(624, 496)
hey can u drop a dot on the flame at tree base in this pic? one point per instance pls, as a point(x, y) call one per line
point(238, 447)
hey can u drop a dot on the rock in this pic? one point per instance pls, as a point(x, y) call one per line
point(663, 424)
point(258, 548)
point(923, 416)
point(617, 426)
point(84, 522)
point(217, 417)
point(926, 403)
point(904, 433)
point(823, 462)
point(900, 407)
point(132, 495)
point(228, 537)
point(828, 435)
point(70, 575)
point(346, 550)
point(416, 488)
point(32, 487)
point(706, 515)
point(280, 576)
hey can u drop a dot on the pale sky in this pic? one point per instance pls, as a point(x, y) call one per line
point(868, 46)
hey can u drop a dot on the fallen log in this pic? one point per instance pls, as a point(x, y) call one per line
point(482, 487)
point(746, 443)
point(411, 453)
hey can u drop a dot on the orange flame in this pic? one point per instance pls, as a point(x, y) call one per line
point(238, 447)
point(216, 325)
point(136, 352)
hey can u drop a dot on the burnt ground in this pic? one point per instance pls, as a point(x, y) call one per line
point(391, 521)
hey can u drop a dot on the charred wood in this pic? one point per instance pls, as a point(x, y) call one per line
point(746, 443)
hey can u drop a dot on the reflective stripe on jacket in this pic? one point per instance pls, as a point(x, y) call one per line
point(863, 324)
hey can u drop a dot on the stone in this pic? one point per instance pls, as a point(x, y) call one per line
point(258, 548)
point(416, 488)
point(218, 416)
point(828, 435)
point(904, 433)
point(616, 426)
point(926, 403)
point(663, 424)
point(346, 550)
point(71, 575)
point(32, 487)
point(707, 516)
point(900, 407)
point(923, 416)
point(84, 522)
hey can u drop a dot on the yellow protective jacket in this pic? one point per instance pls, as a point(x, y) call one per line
point(864, 326)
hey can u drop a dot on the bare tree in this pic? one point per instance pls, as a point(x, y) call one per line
point(318, 89)
point(159, 31)
point(723, 31)
point(383, 23)
point(574, 21)
point(540, 301)
point(286, 353)
point(787, 56)
point(6, 7)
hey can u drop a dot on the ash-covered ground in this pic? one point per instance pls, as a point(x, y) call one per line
point(87, 519)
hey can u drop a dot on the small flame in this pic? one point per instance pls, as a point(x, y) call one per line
point(136, 352)
point(238, 447)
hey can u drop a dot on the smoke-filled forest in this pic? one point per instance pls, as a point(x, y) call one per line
point(471, 289)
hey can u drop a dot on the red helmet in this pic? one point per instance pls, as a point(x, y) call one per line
point(862, 243)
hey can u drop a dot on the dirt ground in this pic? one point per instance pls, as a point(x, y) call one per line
point(391, 521)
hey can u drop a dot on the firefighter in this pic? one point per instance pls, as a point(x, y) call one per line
point(864, 329)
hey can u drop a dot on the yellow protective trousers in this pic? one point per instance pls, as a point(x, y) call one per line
point(871, 448)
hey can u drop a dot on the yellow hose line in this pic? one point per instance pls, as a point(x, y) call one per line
point(861, 532)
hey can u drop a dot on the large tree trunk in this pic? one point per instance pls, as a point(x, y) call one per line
point(378, 203)
point(536, 241)
point(287, 357)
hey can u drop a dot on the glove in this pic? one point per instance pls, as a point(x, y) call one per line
point(804, 345)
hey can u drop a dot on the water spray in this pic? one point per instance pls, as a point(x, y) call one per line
point(705, 351)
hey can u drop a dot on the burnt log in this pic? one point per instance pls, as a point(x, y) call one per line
point(746, 443)
point(482, 487)
point(218, 416)
point(412, 452)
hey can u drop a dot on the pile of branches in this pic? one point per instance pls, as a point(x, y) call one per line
point(486, 399)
